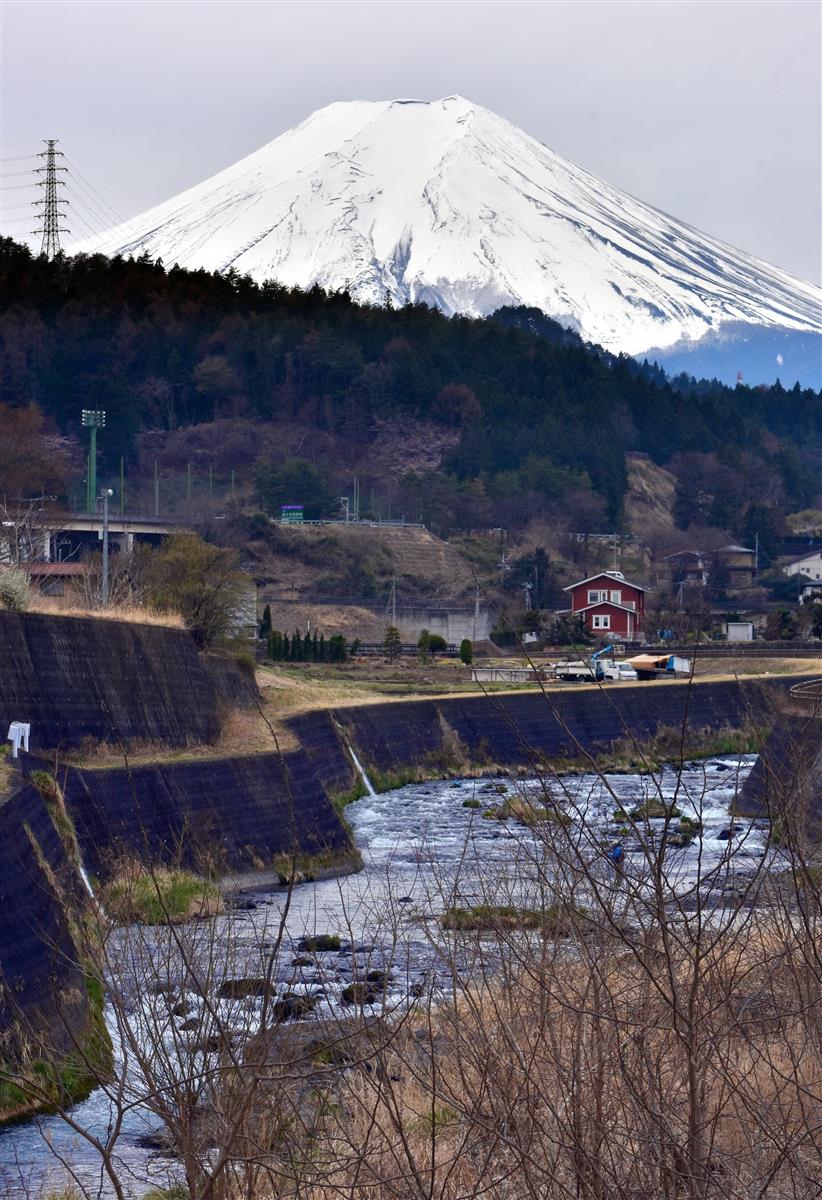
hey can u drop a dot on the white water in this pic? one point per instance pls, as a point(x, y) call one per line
point(86, 880)
point(423, 849)
point(361, 771)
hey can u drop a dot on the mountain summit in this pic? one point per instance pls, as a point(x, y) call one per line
point(446, 203)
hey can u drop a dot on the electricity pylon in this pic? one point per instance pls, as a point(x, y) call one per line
point(51, 212)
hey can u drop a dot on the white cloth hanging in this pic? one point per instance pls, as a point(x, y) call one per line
point(19, 736)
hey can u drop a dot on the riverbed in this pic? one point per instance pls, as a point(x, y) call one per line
point(425, 847)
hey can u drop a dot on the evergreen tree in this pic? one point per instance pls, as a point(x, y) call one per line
point(467, 651)
point(265, 624)
point(338, 649)
point(392, 643)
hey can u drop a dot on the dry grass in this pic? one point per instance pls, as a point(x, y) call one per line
point(733, 667)
point(132, 613)
point(244, 732)
point(572, 1078)
point(7, 772)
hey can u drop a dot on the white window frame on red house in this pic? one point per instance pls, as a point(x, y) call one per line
point(601, 621)
point(616, 597)
point(596, 596)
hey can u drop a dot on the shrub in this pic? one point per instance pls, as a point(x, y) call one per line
point(467, 651)
point(14, 589)
point(200, 581)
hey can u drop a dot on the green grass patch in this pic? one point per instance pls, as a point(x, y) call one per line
point(556, 920)
point(517, 808)
point(653, 809)
point(319, 943)
point(341, 800)
point(305, 868)
point(166, 896)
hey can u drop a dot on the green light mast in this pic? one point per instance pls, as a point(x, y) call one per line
point(93, 419)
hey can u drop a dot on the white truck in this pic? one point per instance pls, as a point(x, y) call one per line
point(596, 668)
point(615, 671)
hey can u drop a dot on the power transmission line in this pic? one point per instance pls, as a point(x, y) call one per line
point(80, 178)
point(51, 213)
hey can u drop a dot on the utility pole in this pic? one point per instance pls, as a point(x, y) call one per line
point(476, 613)
point(50, 206)
point(93, 419)
point(105, 496)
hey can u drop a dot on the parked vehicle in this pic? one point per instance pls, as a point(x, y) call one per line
point(574, 671)
point(661, 666)
point(597, 668)
point(615, 671)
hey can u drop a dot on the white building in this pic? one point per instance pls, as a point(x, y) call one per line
point(809, 565)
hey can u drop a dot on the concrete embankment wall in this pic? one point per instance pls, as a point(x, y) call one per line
point(520, 729)
point(227, 814)
point(44, 1002)
point(237, 814)
point(787, 776)
point(73, 678)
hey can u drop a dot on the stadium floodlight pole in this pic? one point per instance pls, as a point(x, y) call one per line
point(105, 496)
point(93, 419)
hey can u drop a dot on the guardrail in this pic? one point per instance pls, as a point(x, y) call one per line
point(808, 694)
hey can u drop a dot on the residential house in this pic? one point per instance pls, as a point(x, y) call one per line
point(687, 568)
point(809, 565)
point(739, 564)
point(609, 605)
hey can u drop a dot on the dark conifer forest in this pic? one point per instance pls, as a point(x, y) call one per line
point(526, 412)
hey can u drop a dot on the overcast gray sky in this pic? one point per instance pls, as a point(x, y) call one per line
point(710, 111)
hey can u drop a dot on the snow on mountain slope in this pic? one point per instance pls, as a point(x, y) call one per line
point(446, 203)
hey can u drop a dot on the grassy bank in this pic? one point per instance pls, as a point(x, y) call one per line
point(50, 1081)
point(162, 896)
point(308, 868)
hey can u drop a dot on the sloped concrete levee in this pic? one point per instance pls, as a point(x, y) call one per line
point(229, 815)
point(49, 1012)
point(786, 779)
point(523, 728)
point(74, 678)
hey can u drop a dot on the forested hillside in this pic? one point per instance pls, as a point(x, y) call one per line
point(517, 420)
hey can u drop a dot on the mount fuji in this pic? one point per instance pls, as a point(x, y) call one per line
point(445, 203)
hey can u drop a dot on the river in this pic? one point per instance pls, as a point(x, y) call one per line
point(425, 847)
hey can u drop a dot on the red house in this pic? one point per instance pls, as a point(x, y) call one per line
point(609, 604)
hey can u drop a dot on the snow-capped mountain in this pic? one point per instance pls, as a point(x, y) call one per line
point(447, 203)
